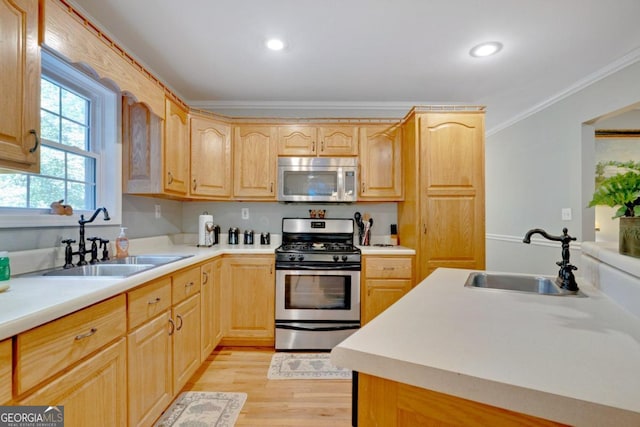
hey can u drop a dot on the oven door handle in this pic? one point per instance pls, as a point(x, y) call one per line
point(318, 328)
point(334, 267)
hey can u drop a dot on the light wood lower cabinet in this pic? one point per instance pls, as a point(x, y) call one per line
point(149, 352)
point(248, 295)
point(385, 280)
point(6, 361)
point(93, 393)
point(210, 330)
point(382, 402)
point(186, 341)
point(44, 351)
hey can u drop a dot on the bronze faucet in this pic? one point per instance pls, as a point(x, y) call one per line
point(566, 280)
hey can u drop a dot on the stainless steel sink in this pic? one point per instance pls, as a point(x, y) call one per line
point(148, 259)
point(100, 270)
point(517, 283)
point(121, 267)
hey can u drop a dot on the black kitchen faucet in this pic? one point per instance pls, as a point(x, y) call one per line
point(566, 279)
point(82, 251)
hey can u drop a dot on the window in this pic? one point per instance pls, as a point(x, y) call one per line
point(79, 158)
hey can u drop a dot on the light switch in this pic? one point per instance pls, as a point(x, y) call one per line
point(566, 214)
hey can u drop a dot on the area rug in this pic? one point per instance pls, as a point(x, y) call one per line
point(289, 366)
point(203, 408)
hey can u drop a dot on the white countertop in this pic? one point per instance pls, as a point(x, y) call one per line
point(34, 300)
point(572, 360)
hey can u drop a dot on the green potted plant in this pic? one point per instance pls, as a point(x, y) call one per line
point(623, 190)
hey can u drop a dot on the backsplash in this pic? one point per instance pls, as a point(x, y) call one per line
point(139, 216)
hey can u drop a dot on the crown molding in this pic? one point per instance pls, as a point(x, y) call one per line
point(627, 60)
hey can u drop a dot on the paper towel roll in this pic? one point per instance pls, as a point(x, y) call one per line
point(205, 238)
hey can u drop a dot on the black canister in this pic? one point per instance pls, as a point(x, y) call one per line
point(248, 237)
point(233, 235)
point(216, 234)
point(265, 238)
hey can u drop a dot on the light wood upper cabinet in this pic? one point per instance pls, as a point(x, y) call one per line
point(443, 213)
point(210, 158)
point(313, 140)
point(5, 371)
point(176, 149)
point(248, 301)
point(254, 162)
point(141, 149)
point(19, 86)
point(381, 163)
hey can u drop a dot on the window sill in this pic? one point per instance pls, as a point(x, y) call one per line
point(45, 220)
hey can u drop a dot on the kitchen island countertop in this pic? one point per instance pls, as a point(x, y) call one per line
point(571, 360)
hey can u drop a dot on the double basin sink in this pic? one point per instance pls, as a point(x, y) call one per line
point(518, 283)
point(121, 267)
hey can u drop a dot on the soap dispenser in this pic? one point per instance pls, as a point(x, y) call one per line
point(122, 244)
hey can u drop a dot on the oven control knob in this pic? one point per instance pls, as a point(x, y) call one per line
point(336, 258)
point(300, 257)
point(344, 258)
point(292, 257)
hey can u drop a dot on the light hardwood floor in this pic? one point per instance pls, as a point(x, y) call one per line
point(305, 403)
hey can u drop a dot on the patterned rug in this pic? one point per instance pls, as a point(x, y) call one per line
point(289, 366)
point(203, 408)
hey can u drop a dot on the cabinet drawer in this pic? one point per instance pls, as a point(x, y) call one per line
point(389, 267)
point(185, 284)
point(5, 371)
point(148, 301)
point(50, 348)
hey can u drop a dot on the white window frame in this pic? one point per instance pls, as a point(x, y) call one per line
point(105, 125)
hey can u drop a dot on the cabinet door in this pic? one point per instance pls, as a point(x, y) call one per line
point(5, 371)
point(297, 140)
point(210, 307)
point(248, 301)
point(380, 163)
point(141, 149)
point(19, 86)
point(149, 366)
point(176, 149)
point(210, 158)
point(452, 199)
point(381, 294)
point(338, 140)
point(93, 393)
point(254, 162)
point(186, 341)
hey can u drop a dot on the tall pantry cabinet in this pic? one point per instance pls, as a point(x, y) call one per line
point(443, 213)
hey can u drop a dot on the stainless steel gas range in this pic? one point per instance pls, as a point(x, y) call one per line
point(317, 284)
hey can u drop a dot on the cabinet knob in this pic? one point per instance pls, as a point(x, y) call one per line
point(170, 177)
point(173, 326)
point(205, 277)
point(179, 324)
point(195, 184)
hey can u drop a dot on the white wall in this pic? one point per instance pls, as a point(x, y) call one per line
point(542, 164)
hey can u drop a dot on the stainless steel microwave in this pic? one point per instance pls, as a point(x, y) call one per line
point(318, 179)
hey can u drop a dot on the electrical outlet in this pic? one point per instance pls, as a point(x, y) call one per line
point(566, 214)
point(245, 213)
point(158, 212)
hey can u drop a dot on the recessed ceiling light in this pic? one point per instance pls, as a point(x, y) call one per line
point(486, 49)
point(275, 44)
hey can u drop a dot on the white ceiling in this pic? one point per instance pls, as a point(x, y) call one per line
point(373, 57)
